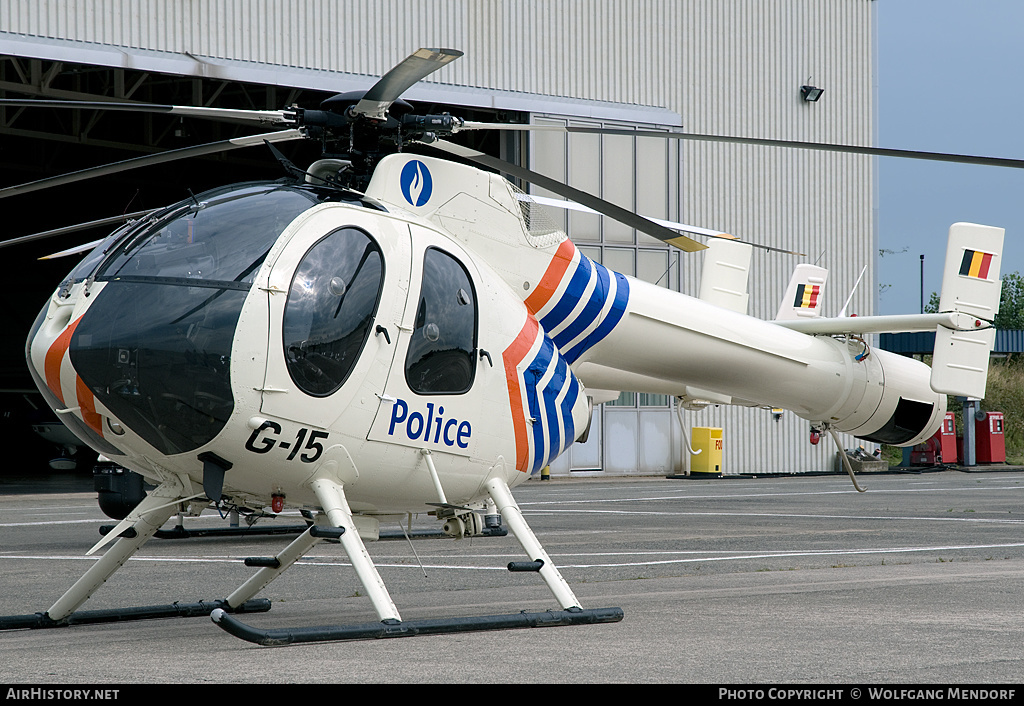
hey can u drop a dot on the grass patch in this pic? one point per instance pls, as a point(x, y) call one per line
point(1005, 393)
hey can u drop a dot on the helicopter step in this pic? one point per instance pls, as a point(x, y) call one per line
point(332, 498)
point(525, 565)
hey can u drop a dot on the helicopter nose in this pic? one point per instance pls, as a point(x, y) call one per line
point(46, 355)
point(156, 312)
point(153, 357)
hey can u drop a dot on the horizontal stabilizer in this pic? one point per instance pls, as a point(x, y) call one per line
point(889, 323)
point(723, 280)
point(804, 294)
point(971, 286)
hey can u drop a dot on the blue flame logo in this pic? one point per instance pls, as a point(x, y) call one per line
point(416, 182)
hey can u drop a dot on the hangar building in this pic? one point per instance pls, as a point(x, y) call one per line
point(703, 66)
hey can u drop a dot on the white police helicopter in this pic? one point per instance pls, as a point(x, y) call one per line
point(387, 333)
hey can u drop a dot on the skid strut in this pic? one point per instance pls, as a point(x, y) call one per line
point(332, 498)
point(273, 568)
point(148, 516)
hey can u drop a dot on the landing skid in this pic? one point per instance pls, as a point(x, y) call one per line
point(179, 532)
point(332, 499)
point(334, 523)
point(412, 628)
point(116, 615)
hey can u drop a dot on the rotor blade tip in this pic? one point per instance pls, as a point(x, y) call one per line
point(687, 244)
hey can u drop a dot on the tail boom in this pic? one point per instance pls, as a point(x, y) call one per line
point(667, 342)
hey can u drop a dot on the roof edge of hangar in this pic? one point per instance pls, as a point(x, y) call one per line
point(188, 64)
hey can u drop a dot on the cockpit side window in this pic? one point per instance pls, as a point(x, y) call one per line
point(330, 310)
point(442, 350)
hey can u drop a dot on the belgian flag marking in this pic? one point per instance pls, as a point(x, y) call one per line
point(975, 264)
point(807, 296)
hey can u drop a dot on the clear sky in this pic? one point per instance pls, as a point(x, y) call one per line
point(950, 78)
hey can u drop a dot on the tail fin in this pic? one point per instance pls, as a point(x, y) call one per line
point(971, 286)
point(723, 280)
point(804, 294)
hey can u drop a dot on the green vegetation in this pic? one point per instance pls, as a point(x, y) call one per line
point(1005, 392)
point(1011, 302)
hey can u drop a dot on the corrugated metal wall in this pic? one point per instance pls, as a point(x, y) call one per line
point(744, 64)
point(722, 64)
point(725, 66)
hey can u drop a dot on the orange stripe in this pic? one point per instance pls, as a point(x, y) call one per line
point(55, 356)
point(87, 403)
point(512, 356)
point(552, 277)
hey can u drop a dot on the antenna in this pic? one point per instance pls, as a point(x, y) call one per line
point(855, 284)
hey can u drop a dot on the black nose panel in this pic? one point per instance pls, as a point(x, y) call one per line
point(158, 357)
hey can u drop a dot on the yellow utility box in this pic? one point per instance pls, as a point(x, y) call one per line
point(707, 440)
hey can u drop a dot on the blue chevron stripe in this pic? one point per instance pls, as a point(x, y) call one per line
point(550, 406)
point(590, 312)
point(560, 314)
point(613, 317)
point(531, 376)
point(571, 296)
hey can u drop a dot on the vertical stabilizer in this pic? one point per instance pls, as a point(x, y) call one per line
point(804, 294)
point(970, 285)
point(723, 280)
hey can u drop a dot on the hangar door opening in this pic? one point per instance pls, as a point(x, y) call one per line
point(634, 433)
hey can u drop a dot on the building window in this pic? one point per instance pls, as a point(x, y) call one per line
point(625, 399)
point(647, 399)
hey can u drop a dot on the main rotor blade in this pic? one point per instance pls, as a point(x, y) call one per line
point(148, 160)
point(696, 230)
point(84, 247)
point(793, 144)
point(261, 117)
point(73, 229)
point(827, 147)
point(394, 83)
point(581, 197)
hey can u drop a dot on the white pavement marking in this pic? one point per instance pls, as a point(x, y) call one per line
point(734, 496)
point(630, 557)
point(1007, 521)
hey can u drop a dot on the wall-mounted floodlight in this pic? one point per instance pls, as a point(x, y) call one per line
point(811, 93)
